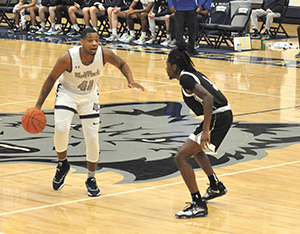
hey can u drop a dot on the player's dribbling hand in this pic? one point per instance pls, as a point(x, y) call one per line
point(136, 85)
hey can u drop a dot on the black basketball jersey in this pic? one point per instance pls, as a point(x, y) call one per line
point(188, 80)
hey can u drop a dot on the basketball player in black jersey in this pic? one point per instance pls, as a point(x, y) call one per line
point(203, 98)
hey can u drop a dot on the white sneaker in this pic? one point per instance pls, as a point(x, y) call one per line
point(113, 37)
point(152, 40)
point(166, 42)
point(124, 36)
point(140, 41)
point(172, 43)
point(58, 31)
point(128, 39)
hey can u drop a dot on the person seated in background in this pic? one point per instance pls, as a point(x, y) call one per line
point(160, 9)
point(114, 13)
point(100, 9)
point(298, 33)
point(80, 7)
point(142, 15)
point(43, 10)
point(20, 20)
point(170, 34)
point(203, 13)
point(55, 9)
point(271, 9)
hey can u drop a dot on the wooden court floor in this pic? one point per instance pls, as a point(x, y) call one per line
point(263, 88)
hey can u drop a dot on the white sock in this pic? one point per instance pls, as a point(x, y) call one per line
point(91, 174)
point(143, 34)
point(132, 33)
point(75, 26)
point(114, 31)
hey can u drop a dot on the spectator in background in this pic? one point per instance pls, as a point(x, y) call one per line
point(20, 20)
point(203, 13)
point(271, 9)
point(80, 7)
point(142, 14)
point(114, 13)
point(160, 9)
point(100, 9)
point(185, 13)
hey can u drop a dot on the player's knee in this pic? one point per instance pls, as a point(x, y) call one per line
point(61, 128)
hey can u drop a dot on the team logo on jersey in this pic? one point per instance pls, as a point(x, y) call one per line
point(139, 140)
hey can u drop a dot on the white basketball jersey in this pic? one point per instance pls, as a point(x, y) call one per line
point(82, 79)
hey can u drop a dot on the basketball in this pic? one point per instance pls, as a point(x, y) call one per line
point(34, 121)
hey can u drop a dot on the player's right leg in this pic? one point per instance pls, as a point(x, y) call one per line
point(63, 120)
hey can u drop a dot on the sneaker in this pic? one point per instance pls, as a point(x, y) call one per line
point(193, 210)
point(124, 36)
point(128, 39)
point(165, 42)
point(140, 41)
point(152, 40)
point(15, 29)
point(58, 31)
point(215, 192)
point(49, 32)
point(113, 37)
point(266, 35)
point(255, 35)
point(297, 55)
point(40, 31)
point(60, 175)
point(92, 188)
point(32, 30)
point(172, 43)
point(73, 33)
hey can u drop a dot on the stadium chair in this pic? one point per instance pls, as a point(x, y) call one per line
point(208, 32)
point(238, 26)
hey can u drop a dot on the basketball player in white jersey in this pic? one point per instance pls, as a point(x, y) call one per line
point(78, 71)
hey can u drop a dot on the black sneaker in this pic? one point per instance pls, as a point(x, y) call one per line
point(92, 188)
point(255, 35)
point(73, 33)
point(215, 192)
point(15, 29)
point(32, 30)
point(193, 210)
point(59, 178)
point(266, 35)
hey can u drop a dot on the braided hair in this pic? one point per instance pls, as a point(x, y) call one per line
point(181, 58)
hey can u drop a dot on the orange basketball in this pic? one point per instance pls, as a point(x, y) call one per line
point(34, 121)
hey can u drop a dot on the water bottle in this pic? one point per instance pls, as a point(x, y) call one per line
point(262, 43)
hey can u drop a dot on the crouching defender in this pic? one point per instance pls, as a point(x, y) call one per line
point(203, 98)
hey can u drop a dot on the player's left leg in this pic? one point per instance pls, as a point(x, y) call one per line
point(198, 206)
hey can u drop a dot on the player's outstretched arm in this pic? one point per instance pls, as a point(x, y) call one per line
point(112, 58)
point(63, 63)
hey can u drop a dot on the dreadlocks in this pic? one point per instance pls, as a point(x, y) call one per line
point(181, 58)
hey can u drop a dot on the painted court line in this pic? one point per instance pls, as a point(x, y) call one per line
point(142, 189)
